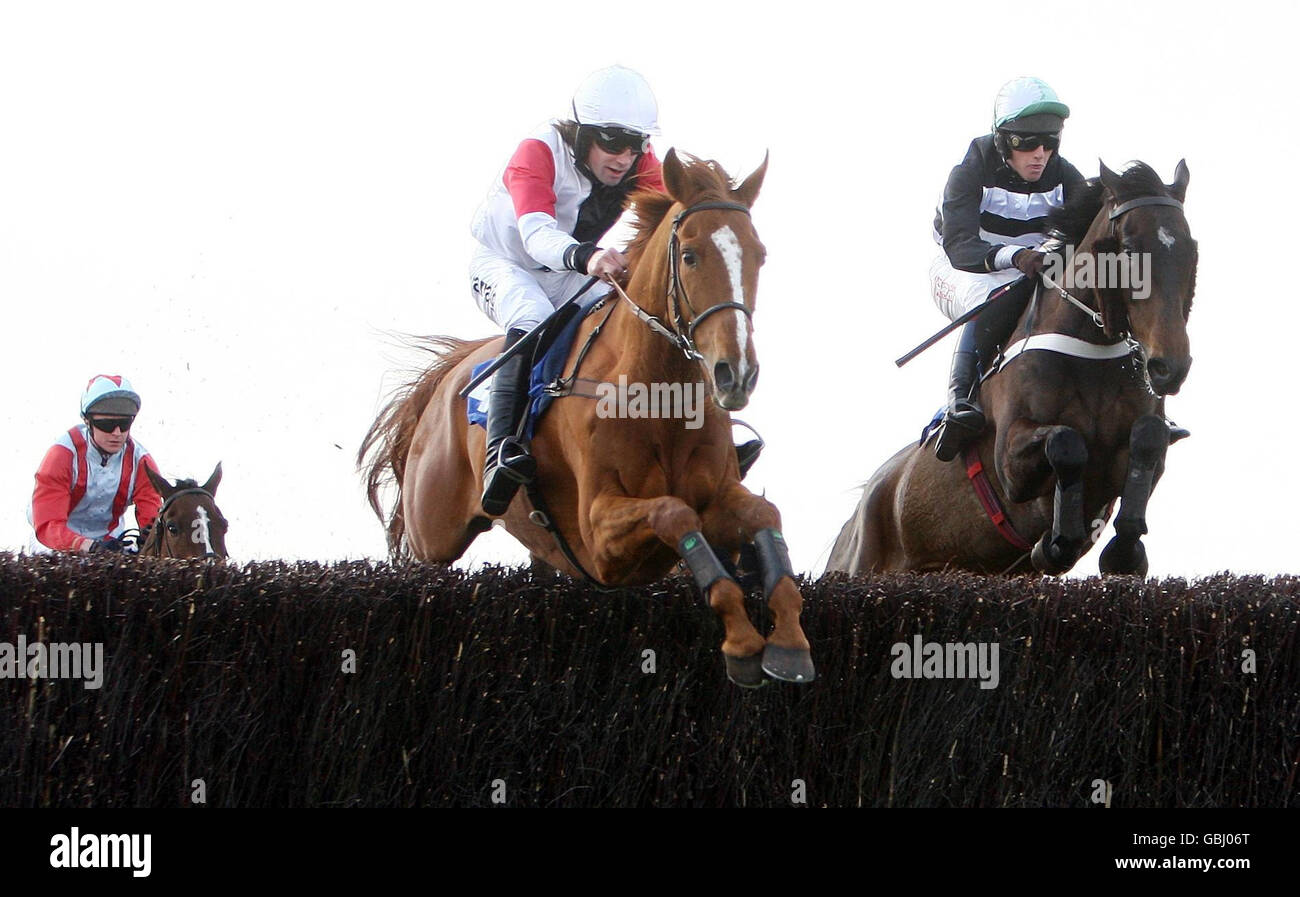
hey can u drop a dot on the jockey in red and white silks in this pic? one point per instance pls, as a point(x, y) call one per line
point(88, 477)
point(562, 190)
point(534, 241)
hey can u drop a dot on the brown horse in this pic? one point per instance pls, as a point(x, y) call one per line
point(189, 524)
point(628, 496)
point(1069, 431)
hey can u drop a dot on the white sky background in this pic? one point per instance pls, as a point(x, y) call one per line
point(231, 203)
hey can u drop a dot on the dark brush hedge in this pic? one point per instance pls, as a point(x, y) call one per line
point(235, 677)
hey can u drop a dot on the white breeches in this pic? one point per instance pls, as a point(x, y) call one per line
point(957, 292)
point(517, 298)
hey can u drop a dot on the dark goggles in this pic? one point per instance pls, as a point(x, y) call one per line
point(1030, 142)
point(615, 140)
point(109, 424)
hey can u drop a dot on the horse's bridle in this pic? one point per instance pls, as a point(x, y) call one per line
point(1135, 347)
point(682, 334)
point(157, 535)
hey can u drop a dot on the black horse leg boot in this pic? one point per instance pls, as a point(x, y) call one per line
point(964, 419)
point(509, 463)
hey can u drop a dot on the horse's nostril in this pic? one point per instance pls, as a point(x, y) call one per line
point(723, 376)
point(751, 379)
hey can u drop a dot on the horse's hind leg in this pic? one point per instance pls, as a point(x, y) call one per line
point(1148, 442)
point(440, 494)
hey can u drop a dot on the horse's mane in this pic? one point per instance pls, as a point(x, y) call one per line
point(1072, 222)
point(706, 180)
point(187, 484)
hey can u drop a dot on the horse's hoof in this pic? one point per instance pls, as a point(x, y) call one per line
point(747, 672)
point(1043, 561)
point(789, 664)
point(1120, 558)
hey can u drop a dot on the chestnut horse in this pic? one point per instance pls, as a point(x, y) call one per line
point(1068, 433)
point(189, 524)
point(630, 497)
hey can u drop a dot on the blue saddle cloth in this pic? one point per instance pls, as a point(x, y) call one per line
point(935, 422)
point(546, 370)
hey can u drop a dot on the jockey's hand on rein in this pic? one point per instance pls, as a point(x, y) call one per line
point(108, 543)
point(608, 264)
point(1029, 262)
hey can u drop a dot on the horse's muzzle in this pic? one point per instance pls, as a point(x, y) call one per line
point(1167, 375)
point(730, 391)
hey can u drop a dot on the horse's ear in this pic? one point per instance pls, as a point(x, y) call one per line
point(165, 489)
point(675, 177)
point(747, 192)
point(1109, 179)
point(210, 486)
point(1181, 176)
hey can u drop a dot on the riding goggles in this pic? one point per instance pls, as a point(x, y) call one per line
point(615, 140)
point(1029, 142)
point(109, 424)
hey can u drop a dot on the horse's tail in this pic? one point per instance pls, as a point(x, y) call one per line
point(383, 452)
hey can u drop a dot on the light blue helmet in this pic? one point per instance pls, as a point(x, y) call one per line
point(110, 394)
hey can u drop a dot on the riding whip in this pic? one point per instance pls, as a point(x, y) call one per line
point(968, 316)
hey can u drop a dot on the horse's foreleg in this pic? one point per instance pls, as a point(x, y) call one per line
point(621, 528)
point(1148, 442)
point(1057, 550)
point(741, 516)
point(1032, 454)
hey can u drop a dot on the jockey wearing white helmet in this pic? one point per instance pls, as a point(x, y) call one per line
point(92, 473)
point(538, 230)
point(990, 225)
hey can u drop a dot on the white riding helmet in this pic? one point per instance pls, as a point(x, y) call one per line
point(1028, 105)
point(110, 394)
point(616, 97)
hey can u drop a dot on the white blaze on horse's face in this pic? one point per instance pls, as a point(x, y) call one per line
point(733, 258)
point(1165, 237)
point(201, 535)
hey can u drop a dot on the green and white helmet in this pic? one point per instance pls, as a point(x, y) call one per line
point(1029, 106)
point(616, 97)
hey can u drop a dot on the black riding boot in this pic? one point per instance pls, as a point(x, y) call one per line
point(980, 339)
point(509, 463)
point(964, 419)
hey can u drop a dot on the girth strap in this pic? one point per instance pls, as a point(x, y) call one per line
point(989, 499)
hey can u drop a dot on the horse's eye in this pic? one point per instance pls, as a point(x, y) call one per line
point(690, 258)
point(173, 528)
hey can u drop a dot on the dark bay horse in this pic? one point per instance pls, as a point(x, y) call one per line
point(189, 523)
point(1068, 434)
point(630, 496)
